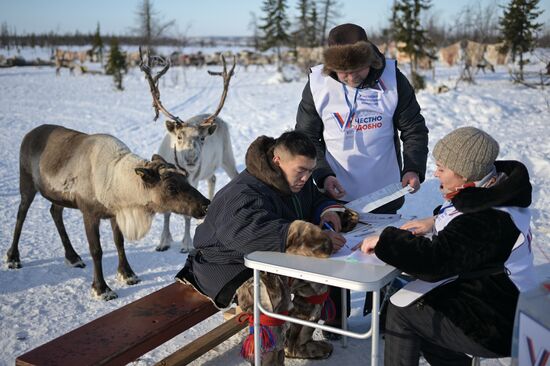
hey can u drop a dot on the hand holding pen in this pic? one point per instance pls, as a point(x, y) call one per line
point(338, 241)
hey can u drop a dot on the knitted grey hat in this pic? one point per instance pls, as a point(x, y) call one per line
point(467, 151)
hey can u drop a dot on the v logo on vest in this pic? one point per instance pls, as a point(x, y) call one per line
point(343, 124)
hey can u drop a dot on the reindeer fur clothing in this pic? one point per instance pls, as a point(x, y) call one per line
point(253, 212)
point(481, 306)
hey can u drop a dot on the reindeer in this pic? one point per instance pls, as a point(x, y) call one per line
point(203, 144)
point(101, 177)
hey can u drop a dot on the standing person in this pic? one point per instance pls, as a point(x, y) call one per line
point(476, 261)
point(355, 108)
point(269, 206)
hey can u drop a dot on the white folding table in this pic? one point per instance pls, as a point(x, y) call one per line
point(345, 274)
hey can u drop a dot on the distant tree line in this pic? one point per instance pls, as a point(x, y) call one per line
point(307, 26)
point(10, 39)
point(416, 32)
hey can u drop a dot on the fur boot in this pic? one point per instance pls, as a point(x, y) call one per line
point(299, 339)
point(275, 297)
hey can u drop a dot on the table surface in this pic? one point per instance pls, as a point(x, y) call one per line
point(351, 275)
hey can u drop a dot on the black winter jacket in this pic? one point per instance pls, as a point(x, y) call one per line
point(252, 212)
point(482, 237)
point(409, 125)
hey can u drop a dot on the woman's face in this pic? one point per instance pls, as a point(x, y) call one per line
point(449, 181)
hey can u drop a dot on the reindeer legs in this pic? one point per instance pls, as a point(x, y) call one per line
point(166, 237)
point(71, 256)
point(187, 242)
point(27, 196)
point(211, 186)
point(125, 272)
point(99, 286)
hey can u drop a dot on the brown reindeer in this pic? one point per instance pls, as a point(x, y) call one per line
point(101, 177)
point(202, 143)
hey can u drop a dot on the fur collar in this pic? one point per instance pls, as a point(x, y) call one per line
point(515, 190)
point(259, 163)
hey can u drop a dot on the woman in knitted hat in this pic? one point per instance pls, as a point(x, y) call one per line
point(355, 108)
point(469, 273)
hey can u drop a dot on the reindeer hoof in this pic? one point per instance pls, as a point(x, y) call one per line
point(184, 250)
point(106, 296)
point(75, 263)
point(129, 280)
point(162, 248)
point(14, 264)
point(133, 280)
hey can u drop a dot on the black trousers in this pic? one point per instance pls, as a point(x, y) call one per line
point(419, 329)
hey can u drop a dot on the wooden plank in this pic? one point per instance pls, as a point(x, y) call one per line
point(228, 314)
point(123, 335)
point(200, 346)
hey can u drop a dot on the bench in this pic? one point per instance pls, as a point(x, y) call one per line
point(123, 335)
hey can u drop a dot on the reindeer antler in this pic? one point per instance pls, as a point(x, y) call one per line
point(147, 69)
point(226, 78)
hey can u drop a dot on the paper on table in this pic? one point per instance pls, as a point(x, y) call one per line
point(381, 197)
point(348, 255)
point(359, 256)
point(377, 223)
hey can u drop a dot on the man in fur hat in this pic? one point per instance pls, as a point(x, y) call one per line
point(355, 107)
point(270, 206)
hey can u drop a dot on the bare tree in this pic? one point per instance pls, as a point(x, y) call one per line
point(254, 27)
point(329, 13)
point(5, 36)
point(476, 23)
point(150, 25)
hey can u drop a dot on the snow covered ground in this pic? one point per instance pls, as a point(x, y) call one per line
point(45, 298)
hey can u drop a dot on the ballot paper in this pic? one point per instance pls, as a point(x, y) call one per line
point(373, 225)
point(379, 198)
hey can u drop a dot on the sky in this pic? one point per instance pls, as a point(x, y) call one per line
point(196, 18)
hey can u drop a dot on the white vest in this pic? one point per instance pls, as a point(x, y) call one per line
point(358, 130)
point(519, 264)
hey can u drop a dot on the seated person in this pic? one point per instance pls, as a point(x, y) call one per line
point(270, 206)
point(475, 264)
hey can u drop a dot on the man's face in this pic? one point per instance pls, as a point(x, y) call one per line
point(296, 169)
point(449, 181)
point(353, 78)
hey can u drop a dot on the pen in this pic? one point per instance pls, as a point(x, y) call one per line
point(329, 226)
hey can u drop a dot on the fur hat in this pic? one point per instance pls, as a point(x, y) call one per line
point(467, 151)
point(349, 49)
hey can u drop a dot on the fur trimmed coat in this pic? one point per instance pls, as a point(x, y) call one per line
point(482, 237)
point(252, 212)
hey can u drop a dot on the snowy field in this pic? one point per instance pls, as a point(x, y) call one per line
point(46, 299)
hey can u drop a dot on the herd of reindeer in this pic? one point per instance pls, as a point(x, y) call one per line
point(469, 53)
point(99, 175)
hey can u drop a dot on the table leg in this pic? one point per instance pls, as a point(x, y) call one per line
point(257, 347)
point(375, 327)
point(344, 315)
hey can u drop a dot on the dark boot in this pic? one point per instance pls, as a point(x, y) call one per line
point(299, 338)
point(275, 297)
